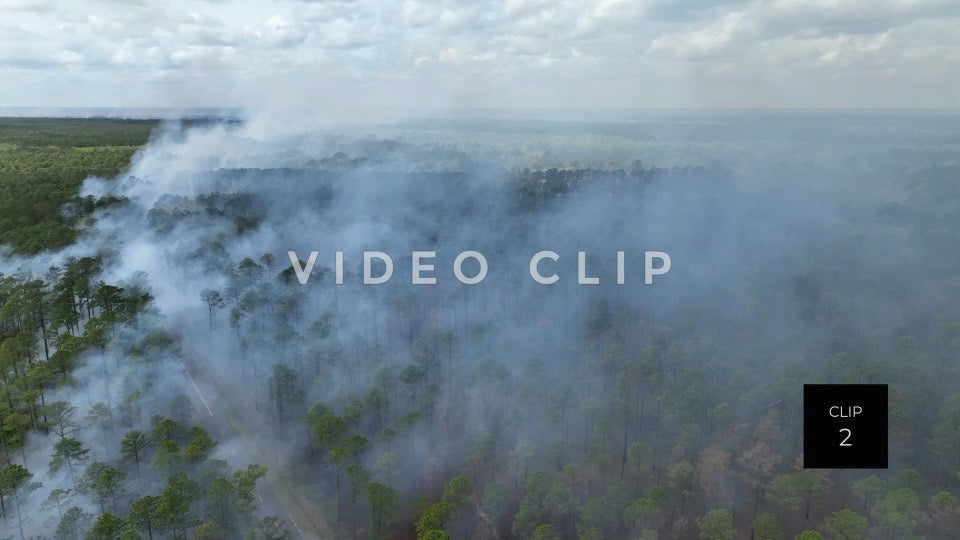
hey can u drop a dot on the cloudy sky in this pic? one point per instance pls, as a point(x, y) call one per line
point(518, 53)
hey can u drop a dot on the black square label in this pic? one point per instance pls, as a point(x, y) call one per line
point(845, 426)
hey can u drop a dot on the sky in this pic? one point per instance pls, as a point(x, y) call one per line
point(462, 54)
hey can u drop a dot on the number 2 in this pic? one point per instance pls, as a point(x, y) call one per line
point(847, 438)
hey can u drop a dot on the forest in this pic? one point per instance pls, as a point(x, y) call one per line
point(166, 375)
point(149, 473)
point(44, 161)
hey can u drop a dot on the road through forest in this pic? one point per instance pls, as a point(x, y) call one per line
point(277, 494)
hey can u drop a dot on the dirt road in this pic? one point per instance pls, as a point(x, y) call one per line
point(277, 495)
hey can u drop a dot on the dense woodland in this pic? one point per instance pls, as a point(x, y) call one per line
point(49, 327)
point(498, 411)
point(43, 162)
point(164, 482)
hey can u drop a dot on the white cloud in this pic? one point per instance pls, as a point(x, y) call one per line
point(701, 42)
point(517, 52)
point(26, 5)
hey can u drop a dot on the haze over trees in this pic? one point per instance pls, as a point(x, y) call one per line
point(177, 381)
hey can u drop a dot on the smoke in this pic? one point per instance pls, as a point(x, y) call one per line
point(778, 243)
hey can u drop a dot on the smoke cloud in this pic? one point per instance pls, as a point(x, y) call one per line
point(791, 244)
